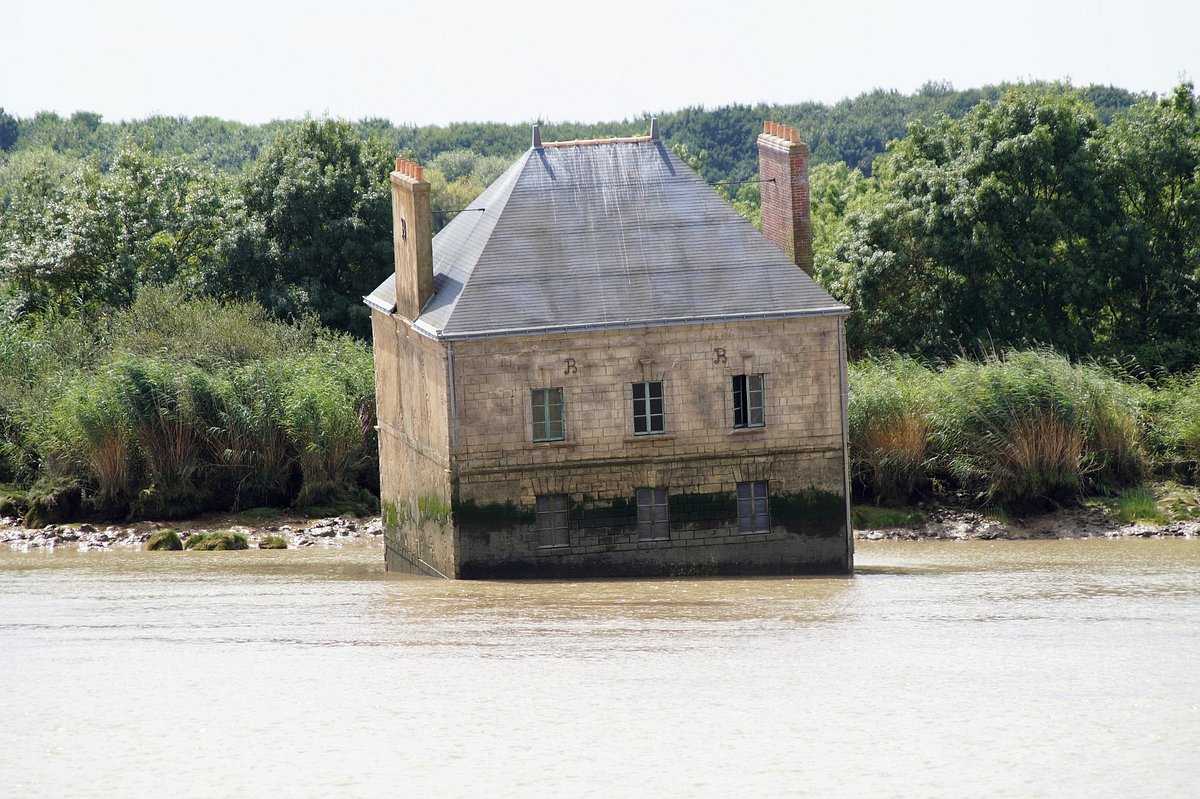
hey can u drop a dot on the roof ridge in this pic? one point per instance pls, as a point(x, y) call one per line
point(614, 140)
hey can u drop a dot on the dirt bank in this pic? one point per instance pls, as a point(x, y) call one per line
point(297, 531)
point(1083, 522)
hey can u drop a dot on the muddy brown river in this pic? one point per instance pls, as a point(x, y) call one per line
point(1004, 668)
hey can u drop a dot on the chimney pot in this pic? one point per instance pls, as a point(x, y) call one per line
point(412, 238)
point(783, 170)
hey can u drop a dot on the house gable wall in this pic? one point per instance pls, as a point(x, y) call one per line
point(414, 447)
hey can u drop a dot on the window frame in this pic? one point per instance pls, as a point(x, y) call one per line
point(544, 407)
point(745, 392)
point(754, 506)
point(653, 514)
point(552, 517)
point(647, 417)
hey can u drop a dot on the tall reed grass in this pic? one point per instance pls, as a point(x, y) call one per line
point(234, 414)
point(889, 427)
point(1175, 435)
point(1014, 428)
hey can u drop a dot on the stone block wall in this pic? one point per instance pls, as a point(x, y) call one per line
point(498, 470)
point(414, 441)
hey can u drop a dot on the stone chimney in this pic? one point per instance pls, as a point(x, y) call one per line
point(783, 170)
point(412, 238)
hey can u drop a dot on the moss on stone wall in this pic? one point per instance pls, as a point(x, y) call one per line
point(434, 508)
point(391, 516)
point(810, 512)
point(610, 514)
point(494, 515)
point(718, 508)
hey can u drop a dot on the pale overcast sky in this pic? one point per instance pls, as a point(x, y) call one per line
point(425, 62)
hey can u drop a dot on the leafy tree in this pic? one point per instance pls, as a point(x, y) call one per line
point(989, 233)
point(313, 233)
point(837, 193)
point(9, 130)
point(91, 242)
point(1153, 308)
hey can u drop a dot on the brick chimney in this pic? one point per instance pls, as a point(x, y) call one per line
point(783, 170)
point(412, 238)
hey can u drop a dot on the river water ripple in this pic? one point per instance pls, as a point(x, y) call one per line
point(1030, 668)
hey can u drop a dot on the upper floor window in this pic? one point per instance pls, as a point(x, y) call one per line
point(553, 521)
point(652, 514)
point(547, 414)
point(748, 400)
point(648, 414)
point(753, 513)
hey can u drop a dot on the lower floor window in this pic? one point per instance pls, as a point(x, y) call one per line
point(753, 516)
point(552, 521)
point(652, 514)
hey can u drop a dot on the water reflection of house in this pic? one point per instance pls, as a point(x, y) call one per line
point(605, 370)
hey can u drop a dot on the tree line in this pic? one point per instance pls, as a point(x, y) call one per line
point(1034, 213)
point(1026, 222)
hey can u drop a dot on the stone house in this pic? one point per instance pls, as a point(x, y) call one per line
point(600, 368)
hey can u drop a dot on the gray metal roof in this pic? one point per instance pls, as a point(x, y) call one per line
point(604, 235)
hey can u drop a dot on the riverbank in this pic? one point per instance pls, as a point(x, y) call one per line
point(928, 522)
point(299, 532)
point(1088, 521)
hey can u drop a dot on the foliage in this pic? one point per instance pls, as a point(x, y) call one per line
point(1175, 438)
point(192, 411)
point(313, 230)
point(1021, 428)
point(1028, 222)
point(1030, 427)
point(1154, 289)
point(217, 541)
point(272, 542)
point(1139, 504)
point(167, 540)
point(86, 245)
point(873, 517)
point(207, 333)
point(888, 413)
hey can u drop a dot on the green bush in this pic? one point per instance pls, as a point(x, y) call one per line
point(219, 540)
point(88, 432)
point(172, 409)
point(1139, 504)
point(165, 323)
point(252, 444)
point(272, 542)
point(53, 500)
point(176, 405)
point(164, 540)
